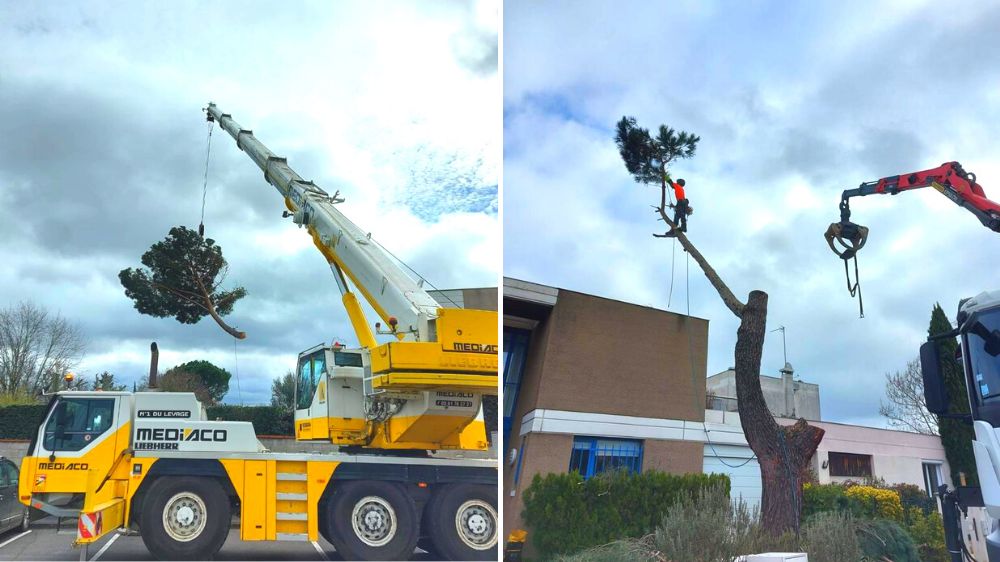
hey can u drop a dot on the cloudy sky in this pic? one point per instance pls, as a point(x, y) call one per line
point(794, 102)
point(102, 150)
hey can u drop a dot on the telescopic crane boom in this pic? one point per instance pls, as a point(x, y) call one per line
point(402, 303)
point(421, 391)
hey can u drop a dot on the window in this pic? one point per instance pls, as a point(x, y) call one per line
point(310, 370)
point(515, 353)
point(593, 455)
point(76, 422)
point(8, 474)
point(848, 464)
point(932, 478)
point(345, 359)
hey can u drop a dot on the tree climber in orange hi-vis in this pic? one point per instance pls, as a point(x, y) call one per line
point(681, 208)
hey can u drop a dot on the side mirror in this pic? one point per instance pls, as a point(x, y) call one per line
point(935, 393)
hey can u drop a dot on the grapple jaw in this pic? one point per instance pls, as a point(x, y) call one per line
point(850, 238)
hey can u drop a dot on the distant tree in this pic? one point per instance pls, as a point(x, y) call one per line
point(73, 383)
point(106, 381)
point(905, 408)
point(183, 278)
point(783, 452)
point(956, 436)
point(214, 379)
point(283, 392)
point(183, 381)
point(36, 349)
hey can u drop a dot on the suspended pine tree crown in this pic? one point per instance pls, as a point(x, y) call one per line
point(182, 277)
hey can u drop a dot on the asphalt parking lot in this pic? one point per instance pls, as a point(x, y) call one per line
point(46, 541)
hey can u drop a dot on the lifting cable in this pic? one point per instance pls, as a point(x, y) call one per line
point(236, 368)
point(204, 189)
point(856, 288)
point(419, 277)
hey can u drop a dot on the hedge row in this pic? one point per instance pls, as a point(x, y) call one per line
point(267, 420)
point(566, 513)
point(21, 422)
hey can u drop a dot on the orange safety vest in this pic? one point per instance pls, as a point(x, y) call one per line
point(678, 190)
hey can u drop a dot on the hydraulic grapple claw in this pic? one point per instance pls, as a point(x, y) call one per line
point(849, 236)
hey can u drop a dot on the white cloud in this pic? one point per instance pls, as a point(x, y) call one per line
point(794, 103)
point(110, 155)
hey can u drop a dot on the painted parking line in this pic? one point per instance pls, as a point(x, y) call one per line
point(12, 539)
point(319, 549)
point(105, 547)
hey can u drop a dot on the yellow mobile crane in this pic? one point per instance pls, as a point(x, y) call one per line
point(152, 463)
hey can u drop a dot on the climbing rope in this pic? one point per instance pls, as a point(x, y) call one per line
point(694, 375)
point(204, 189)
point(718, 456)
point(673, 253)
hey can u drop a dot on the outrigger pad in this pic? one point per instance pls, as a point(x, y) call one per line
point(851, 237)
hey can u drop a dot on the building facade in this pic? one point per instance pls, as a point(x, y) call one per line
point(785, 396)
point(592, 383)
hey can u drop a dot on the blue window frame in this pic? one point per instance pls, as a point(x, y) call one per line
point(515, 354)
point(593, 455)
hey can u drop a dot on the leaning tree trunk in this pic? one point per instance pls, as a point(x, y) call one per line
point(782, 452)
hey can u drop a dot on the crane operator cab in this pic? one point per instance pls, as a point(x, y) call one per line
point(335, 401)
point(978, 331)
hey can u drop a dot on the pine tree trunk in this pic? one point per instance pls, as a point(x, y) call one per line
point(782, 452)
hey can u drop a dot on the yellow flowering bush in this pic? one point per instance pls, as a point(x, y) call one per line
point(877, 501)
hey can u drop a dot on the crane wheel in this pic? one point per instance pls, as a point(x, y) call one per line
point(368, 520)
point(185, 518)
point(461, 521)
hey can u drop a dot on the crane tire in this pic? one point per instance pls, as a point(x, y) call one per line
point(461, 521)
point(371, 520)
point(185, 518)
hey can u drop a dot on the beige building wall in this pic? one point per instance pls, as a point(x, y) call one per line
point(611, 357)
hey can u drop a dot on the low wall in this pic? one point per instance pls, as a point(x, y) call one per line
point(13, 449)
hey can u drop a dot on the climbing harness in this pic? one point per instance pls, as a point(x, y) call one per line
point(204, 189)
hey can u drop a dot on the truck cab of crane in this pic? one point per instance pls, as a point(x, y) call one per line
point(978, 330)
point(336, 401)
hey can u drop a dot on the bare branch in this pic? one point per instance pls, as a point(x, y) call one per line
point(906, 408)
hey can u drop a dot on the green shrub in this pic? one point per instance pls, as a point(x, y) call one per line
point(914, 496)
point(21, 421)
point(701, 526)
point(885, 538)
point(877, 502)
point(565, 513)
point(267, 420)
point(831, 537)
point(927, 531)
point(704, 526)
